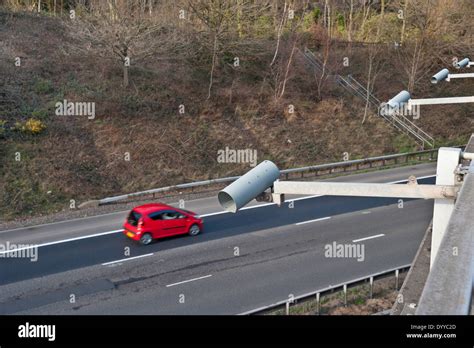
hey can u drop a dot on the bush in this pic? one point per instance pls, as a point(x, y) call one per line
point(311, 18)
point(31, 126)
point(43, 86)
point(3, 129)
point(40, 114)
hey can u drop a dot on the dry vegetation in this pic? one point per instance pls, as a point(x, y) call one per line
point(189, 61)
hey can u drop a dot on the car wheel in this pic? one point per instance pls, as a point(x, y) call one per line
point(194, 230)
point(146, 239)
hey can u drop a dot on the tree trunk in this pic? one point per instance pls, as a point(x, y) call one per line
point(214, 57)
point(276, 23)
point(329, 21)
point(280, 28)
point(125, 76)
point(381, 20)
point(239, 18)
point(369, 76)
point(349, 29)
point(285, 79)
point(404, 20)
point(323, 77)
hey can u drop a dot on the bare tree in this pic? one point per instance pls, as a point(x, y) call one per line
point(283, 19)
point(281, 71)
point(222, 23)
point(404, 21)
point(417, 55)
point(123, 30)
point(351, 21)
point(216, 16)
point(373, 60)
point(326, 50)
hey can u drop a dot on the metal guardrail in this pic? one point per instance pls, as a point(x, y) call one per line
point(317, 293)
point(316, 170)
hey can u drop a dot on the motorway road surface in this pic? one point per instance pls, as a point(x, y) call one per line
point(242, 261)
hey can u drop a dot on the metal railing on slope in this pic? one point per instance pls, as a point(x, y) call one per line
point(351, 85)
point(398, 120)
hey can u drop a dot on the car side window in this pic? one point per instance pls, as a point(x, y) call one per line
point(170, 215)
point(166, 215)
point(156, 215)
point(177, 215)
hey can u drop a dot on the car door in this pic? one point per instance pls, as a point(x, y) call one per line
point(157, 224)
point(173, 223)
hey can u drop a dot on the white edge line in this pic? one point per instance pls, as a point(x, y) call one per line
point(31, 246)
point(367, 238)
point(418, 178)
point(64, 221)
point(212, 214)
point(116, 231)
point(127, 259)
point(189, 280)
point(315, 220)
point(259, 206)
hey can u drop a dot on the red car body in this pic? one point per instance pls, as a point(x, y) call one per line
point(153, 221)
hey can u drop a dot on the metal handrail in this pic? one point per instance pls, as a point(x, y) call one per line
point(448, 289)
point(350, 84)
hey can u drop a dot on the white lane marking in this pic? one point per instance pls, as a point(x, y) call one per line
point(366, 212)
point(212, 214)
point(309, 221)
point(367, 238)
point(189, 280)
point(418, 178)
point(62, 222)
point(117, 231)
point(127, 259)
point(31, 246)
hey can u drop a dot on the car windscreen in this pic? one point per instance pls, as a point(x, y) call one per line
point(133, 218)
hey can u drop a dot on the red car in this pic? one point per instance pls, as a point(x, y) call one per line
point(152, 221)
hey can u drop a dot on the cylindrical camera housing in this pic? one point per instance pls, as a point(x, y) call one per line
point(248, 186)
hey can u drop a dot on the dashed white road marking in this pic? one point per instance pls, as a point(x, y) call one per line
point(189, 280)
point(367, 238)
point(127, 259)
point(315, 220)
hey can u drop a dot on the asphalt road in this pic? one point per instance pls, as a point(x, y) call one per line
point(242, 261)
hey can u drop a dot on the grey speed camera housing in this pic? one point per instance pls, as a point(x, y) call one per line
point(462, 63)
point(248, 186)
point(440, 76)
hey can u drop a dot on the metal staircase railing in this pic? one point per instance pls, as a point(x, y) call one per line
point(351, 85)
